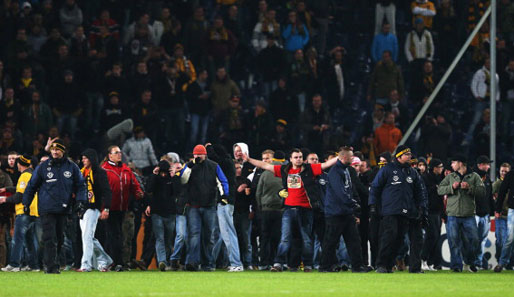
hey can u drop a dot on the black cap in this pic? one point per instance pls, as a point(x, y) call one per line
point(400, 150)
point(483, 159)
point(434, 163)
point(460, 158)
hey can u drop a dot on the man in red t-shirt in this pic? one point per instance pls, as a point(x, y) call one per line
point(299, 180)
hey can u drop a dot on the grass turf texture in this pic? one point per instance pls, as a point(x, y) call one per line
point(254, 283)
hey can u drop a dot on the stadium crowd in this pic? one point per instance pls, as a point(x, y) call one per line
point(248, 80)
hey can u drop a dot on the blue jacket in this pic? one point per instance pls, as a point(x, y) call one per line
point(339, 199)
point(398, 190)
point(294, 41)
point(55, 181)
point(382, 43)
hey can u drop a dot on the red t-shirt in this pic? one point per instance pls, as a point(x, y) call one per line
point(297, 194)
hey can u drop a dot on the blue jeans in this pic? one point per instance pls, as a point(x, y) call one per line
point(467, 227)
point(228, 233)
point(163, 228)
point(501, 236)
point(199, 126)
point(342, 253)
point(181, 238)
point(483, 227)
point(477, 115)
point(200, 220)
point(508, 245)
point(93, 254)
point(24, 237)
point(301, 218)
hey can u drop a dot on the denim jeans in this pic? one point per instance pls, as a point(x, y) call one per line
point(200, 223)
point(228, 233)
point(508, 245)
point(163, 228)
point(23, 238)
point(302, 219)
point(93, 254)
point(501, 236)
point(342, 253)
point(467, 227)
point(199, 126)
point(483, 227)
point(181, 238)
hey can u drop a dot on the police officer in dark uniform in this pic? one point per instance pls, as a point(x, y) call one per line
point(399, 196)
point(55, 181)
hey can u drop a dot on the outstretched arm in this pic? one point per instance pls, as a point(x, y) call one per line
point(260, 164)
point(328, 163)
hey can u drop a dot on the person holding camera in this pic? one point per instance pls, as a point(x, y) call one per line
point(96, 207)
point(55, 180)
point(462, 186)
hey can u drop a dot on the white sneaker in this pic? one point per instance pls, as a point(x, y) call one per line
point(431, 268)
point(424, 266)
point(236, 269)
point(9, 268)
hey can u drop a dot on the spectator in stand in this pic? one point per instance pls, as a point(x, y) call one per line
point(304, 15)
point(334, 78)
point(10, 107)
point(163, 24)
point(141, 80)
point(107, 22)
point(384, 41)
point(423, 9)
point(222, 90)
point(106, 45)
point(481, 89)
point(162, 209)
point(70, 16)
point(26, 84)
point(431, 255)
point(234, 24)
point(6, 213)
point(37, 116)
point(49, 48)
point(139, 150)
point(283, 103)
point(419, 46)
point(386, 77)
point(233, 122)
point(281, 138)
point(184, 65)
point(295, 34)
point(271, 62)
point(79, 46)
point(444, 25)
point(145, 113)
point(123, 183)
point(385, 9)
point(423, 84)
point(36, 39)
point(67, 104)
point(140, 46)
point(387, 136)
point(198, 100)
point(115, 81)
point(399, 109)
point(436, 135)
point(316, 124)
point(113, 112)
point(194, 36)
point(266, 31)
point(507, 97)
point(261, 127)
point(142, 24)
point(299, 75)
point(220, 45)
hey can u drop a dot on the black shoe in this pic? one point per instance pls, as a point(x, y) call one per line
point(53, 271)
point(438, 267)
point(457, 270)
point(141, 265)
point(498, 268)
point(345, 267)
point(162, 266)
point(381, 269)
point(473, 268)
point(417, 271)
point(119, 268)
point(191, 267)
point(360, 269)
point(174, 265)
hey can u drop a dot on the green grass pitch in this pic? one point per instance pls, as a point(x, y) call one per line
point(253, 283)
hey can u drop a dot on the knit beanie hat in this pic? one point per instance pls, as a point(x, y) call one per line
point(199, 150)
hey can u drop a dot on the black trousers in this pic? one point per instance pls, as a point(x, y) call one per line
point(336, 226)
point(115, 236)
point(431, 251)
point(392, 232)
point(53, 238)
point(374, 239)
point(364, 235)
point(271, 224)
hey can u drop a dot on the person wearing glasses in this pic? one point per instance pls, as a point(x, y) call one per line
point(431, 253)
point(123, 183)
point(398, 196)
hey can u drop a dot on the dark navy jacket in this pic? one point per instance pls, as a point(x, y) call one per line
point(339, 196)
point(398, 190)
point(55, 181)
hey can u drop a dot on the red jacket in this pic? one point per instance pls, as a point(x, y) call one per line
point(123, 182)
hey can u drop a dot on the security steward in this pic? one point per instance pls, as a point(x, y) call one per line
point(55, 180)
point(398, 195)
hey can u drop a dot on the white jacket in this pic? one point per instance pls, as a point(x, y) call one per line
point(423, 47)
point(480, 84)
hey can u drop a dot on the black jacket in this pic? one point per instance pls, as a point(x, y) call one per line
point(161, 191)
point(435, 201)
point(485, 203)
point(202, 186)
point(218, 154)
point(312, 187)
point(507, 187)
point(101, 188)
